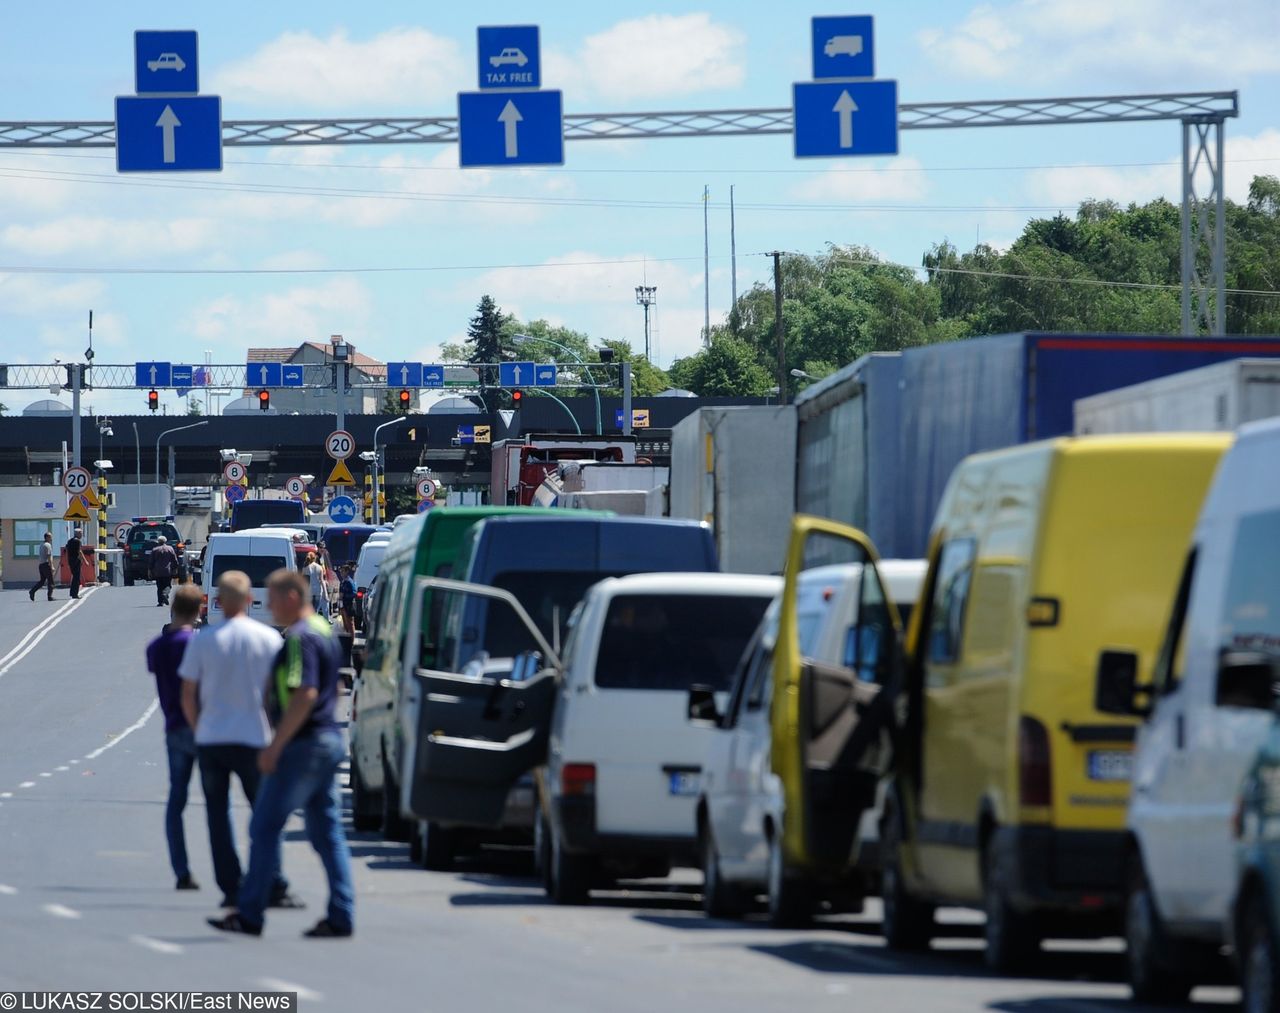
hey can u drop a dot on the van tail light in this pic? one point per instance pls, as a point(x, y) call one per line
point(578, 779)
point(360, 593)
point(1035, 780)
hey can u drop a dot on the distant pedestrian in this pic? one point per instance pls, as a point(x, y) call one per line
point(74, 550)
point(164, 567)
point(300, 765)
point(347, 599)
point(315, 577)
point(164, 655)
point(46, 566)
point(225, 672)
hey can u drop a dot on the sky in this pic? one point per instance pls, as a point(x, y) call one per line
point(567, 244)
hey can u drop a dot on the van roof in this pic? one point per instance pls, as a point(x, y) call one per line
point(250, 538)
point(692, 583)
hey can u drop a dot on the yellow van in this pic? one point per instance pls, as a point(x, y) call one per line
point(1010, 788)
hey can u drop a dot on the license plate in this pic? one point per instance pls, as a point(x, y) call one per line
point(1110, 765)
point(684, 783)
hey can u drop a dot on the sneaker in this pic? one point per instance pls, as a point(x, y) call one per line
point(186, 883)
point(325, 929)
point(235, 924)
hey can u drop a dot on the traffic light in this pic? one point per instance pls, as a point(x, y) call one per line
point(153, 400)
point(405, 399)
point(264, 400)
point(517, 398)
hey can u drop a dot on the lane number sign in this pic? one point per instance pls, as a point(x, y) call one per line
point(426, 488)
point(76, 480)
point(340, 444)
point(234, 472)
point(296, 487)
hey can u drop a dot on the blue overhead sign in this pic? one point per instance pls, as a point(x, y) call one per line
point(183, 378)
point(516, 374)
point(152, 374)
point(466, 434)
point(846, 118)
point(165, 63)
point(290, 375)
point(545, 374)
point(842, 47)
point(263, 374)
point(510, 128)
point(509, 57)
point(433, 376)
point(169, 134)
point(342, 509)
point(404, 374)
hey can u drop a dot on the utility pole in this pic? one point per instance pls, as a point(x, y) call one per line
point(341, 356)
point(733, 255)
point(706, 266)
point(77, 379)
point(777, 326)
point(646, 296)
point(626, 399)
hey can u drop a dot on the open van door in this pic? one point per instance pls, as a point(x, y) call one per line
point(469, 738)
point(830, 723)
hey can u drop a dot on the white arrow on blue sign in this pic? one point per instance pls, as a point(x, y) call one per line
point(172, 134)
point(845, 118)
point(263, 374)
point(153, 374)
point(516, 374)
point(545, 374)
point(404, 374)
point(433, 376)
point(342, 509)
point(507, 128)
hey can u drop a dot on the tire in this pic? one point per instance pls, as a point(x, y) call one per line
point(1011, 936)
point(437, 847)
point(415, 842)
point(366, 813)
point(542, 848)
point(394, 826)
point(1152, 964)
point(907, 922)
point(570, 875)
point(1258, 959)
point(720, 899)
point(790, 901)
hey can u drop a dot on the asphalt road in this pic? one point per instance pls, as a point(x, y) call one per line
point(86, 898)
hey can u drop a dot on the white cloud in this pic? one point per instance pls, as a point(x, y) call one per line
point(341, 305)
point(584, 277)
point(902, 180)
point(1110, 40)
point(120, 236)
point(26, 186)
point(650, 57)
point(34, 295)
point(401, 66)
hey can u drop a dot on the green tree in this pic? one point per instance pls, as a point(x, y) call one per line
point(485, 344)
point(646, 378)
point(194, 407)
point(728, 367)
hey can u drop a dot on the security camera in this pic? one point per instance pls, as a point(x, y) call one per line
point(228, 455)
point(367, 455)
point(421, 472)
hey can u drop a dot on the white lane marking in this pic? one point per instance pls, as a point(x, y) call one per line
point(27, 784)
point(280, 985)
point(28, 643)
point(62, 768)
point(73, 762)
point(45, 773)
point(128, 731)
point(7, 890)
point(6, 794)
point(155, 945)
point(61, 911)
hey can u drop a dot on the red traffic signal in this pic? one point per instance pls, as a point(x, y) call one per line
point(264, 399)
point(153, 400)
point(405, 398)
point(517, 398)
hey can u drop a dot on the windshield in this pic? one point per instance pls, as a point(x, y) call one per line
point(139, 535)
point(258, 568)
point(344, 544)
point(253, 513)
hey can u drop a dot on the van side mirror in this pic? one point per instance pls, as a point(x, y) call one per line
point(1117, 690)
point(702, 704)
point(1247, 679)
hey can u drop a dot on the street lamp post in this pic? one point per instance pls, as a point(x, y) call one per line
point(377, 507)
point(178, 429)
point(521, 339)
point(137, 456)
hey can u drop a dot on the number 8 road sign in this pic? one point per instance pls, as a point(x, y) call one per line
point(295, 487)
point(76, 480)
point(233, 472)
point(426, 488)
point(340, 444)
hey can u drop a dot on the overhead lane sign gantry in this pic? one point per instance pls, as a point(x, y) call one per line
point(510, 121)
point(167, 126)
point(843, 111)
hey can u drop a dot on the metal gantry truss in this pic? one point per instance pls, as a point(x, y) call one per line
point(1202, 115)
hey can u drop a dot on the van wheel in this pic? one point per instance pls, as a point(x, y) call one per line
point(394, 826)
point(1153, 976)
point(366, 812)
point(720, 899)
point(790, 902)
point(907, 923)
point(1258, 958)
point(1011, 935)
point(570, 875)
point(437, 847)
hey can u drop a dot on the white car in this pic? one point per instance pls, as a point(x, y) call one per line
point(167, 61)
point(510, 55)
point(624, 769)
point(1207, 716)
point(740, 810)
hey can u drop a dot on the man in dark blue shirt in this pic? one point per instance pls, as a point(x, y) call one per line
point(164, 655)
point(300, 764)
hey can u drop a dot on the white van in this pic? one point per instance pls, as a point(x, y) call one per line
point(1206, 716)
point(258, 553)
point(740, 809)
point(624, 768)
point(367, 562)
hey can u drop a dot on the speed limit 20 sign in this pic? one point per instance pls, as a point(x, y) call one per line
point(76, 480)
point(339, 444)
point(296, 487)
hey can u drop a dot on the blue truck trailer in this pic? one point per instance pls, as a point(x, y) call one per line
point(879, 439)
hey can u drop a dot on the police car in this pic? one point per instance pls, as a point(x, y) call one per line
point(141, 539)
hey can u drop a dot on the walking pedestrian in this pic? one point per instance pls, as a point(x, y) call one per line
point(164, 655)
point(74, 550)
point(46, 566)
point(225, 672)
point(300, 765)
point(164, 567)
point(315, 577)
point(347, 599)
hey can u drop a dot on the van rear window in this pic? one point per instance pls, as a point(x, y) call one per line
point(259, 568)
point(547, 597)
point(675, 642)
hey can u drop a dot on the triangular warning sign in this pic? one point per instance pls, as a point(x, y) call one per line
point(341, 475)
point(90, 499)
point(76, 510)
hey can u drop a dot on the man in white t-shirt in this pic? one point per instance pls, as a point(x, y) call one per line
point(224, 673)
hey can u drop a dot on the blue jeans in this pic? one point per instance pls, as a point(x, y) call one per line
point(304, 779)
point(181, 746)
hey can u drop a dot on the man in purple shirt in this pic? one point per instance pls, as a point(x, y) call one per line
point(164, 655)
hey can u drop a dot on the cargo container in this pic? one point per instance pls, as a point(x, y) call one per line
point(520, 465)
point(1218, 397)
point(734, 468)
point(881, 462)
